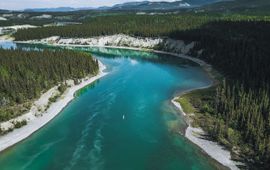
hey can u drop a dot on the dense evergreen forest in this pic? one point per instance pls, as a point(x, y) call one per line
point(241, 104)
point(239, 50)
point(236, 45)
point(137, 25)
point(24, 75)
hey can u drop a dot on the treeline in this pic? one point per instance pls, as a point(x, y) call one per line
point(132, 24)
point(241, 51)
point(24, 75)
point(243, 120)
point(137, 25)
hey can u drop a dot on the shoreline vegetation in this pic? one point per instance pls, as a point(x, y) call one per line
point(213, 149)
point(25, 75)
point(32, 82)
point(197, 135)
point(56, 105)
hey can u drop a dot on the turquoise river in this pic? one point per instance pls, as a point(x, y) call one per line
point(124, 121)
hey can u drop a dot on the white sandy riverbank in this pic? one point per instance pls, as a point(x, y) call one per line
point(35, 122)
point(213, 149)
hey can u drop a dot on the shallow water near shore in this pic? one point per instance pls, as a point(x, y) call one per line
point(124, 121)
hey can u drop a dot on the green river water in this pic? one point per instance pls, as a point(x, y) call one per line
point(124, 121)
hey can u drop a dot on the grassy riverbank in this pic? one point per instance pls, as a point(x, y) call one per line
point(198, 106)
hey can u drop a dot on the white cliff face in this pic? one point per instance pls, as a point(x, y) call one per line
point(113, 40)
point(121, 40)
point(177, 46)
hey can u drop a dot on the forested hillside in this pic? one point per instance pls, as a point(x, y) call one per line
point(236, 45)
point(24, 75)
point(239, 50)
point(241, 105)
point(149, 26)
point(137, 25)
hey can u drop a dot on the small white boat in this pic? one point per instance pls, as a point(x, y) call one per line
point(123, 116)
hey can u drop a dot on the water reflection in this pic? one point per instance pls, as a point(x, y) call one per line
point(7, 44)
